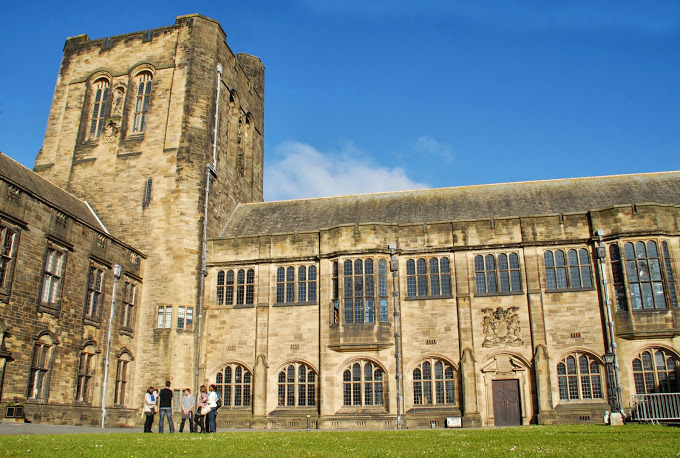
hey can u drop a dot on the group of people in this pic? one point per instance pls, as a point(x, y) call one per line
point(200, 415)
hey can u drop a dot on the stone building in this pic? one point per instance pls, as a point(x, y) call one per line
point(489, 304)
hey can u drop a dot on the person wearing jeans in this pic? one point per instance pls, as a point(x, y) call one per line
point(166, 408)
point(212, 403)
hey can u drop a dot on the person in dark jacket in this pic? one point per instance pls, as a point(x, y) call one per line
point(166, 408)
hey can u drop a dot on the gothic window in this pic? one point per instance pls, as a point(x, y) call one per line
point(100, 107)
point(234, 386)
point(297, 386)
point(335, 314)
point(434, 387)
point(41, 366)
point(55, 260)
point(95, 288)
point(164, 317)
point(578, 377)
point(185, 318)
point(8, 242)
point(644, 269)
point(236, 285)
point(122, 375)
point(572, 271)
point(86, 367)
point(655, 371)
point(360, 293)
point(497, 274)
point(362, 385)
point(142, 99)
point(127, 319)
point(292, 288)
point(428, 277)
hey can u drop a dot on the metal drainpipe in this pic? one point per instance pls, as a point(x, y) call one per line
point(610, 323)
point(394, 267)
point(117, 270)
point(210, 171)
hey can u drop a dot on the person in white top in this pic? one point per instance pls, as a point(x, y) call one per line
point(212, 403)
point(149, 409)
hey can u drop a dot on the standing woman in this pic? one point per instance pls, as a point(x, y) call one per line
point(201, 407)
point(149, 409)
point(212, 403)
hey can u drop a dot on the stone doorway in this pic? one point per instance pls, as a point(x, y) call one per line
point(506, 407)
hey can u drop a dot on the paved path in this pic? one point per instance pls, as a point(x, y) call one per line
point(42, 428)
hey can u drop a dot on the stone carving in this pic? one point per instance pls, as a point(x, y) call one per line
point(111, 131)
point(13, 194)
point(117, 108)
point(501, 327)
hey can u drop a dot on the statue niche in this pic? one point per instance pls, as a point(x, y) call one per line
point(501, 327)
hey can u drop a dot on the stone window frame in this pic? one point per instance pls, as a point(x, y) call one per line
point(85, 375)
point(9, 242)
point(124, 358)
point(626, 274)
point(236, 287)
point(185, 318)
point(296, 380)
point(653, 376)
point(563, 272)
point(52, 283)
point(129, 309)
point(295, 281)
point(498, 273)
point(363, 385)
point(440, 386)
point(164, 317)
point(100, 89)
point(40, 370)
point(365, 308)
point(94, 299)
point(234, 384)
point(579, 378)
point(428, 277)
point(143, 90)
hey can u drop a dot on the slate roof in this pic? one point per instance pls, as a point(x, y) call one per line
point(18, 175)
point(505, 200)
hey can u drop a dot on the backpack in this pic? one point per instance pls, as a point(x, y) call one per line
point(219, 401)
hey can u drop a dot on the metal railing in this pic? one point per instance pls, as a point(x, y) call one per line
point(655, 407)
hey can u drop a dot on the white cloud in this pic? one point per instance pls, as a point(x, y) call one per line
point(301, 171)
point(431, 146)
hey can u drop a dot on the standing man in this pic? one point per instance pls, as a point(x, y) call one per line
point(188, 402)
point(166, 408)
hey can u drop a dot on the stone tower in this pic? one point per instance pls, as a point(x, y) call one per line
point(141, 129)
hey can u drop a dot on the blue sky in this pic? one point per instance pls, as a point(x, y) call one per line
point(373, 95)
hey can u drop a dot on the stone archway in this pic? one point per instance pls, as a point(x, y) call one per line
point(507, 390)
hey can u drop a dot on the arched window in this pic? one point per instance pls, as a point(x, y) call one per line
point(362, 385)
point(100, 107)
point(428, 277)
point(292, 288)
point(41, 366)
point(497, 277)
point(645, 277)
point(245, 287)
point(297, 386)
point(86, 366)
point(655, 371)
point(434, 387)
point(122, 375)
point(234, 386)
point(142, 100)
point(579, 378)
point(572, 271)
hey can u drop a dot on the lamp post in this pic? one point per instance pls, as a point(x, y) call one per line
point(117, 270)
point(394, 267)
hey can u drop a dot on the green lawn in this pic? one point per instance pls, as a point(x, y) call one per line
point(576, 441)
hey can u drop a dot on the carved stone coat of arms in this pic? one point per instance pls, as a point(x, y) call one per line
point(501, 327)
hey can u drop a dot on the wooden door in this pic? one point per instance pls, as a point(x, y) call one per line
point(506, 409)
